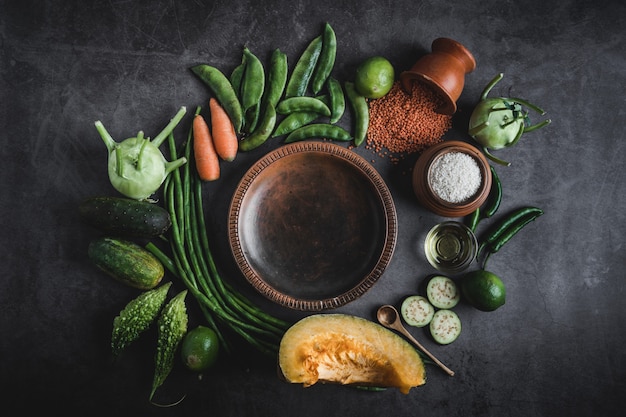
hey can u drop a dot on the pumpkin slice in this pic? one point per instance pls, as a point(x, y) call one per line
point(345, 349)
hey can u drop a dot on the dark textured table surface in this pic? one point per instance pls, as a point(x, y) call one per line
point(555, 348)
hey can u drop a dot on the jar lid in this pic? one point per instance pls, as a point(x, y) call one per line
point(430, 199)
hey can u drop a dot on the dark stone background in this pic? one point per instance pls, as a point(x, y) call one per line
point(555, 348)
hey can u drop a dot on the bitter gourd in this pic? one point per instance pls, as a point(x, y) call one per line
point(172, 326)
point(136, 317)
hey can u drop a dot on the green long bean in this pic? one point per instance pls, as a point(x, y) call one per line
point(193, 262)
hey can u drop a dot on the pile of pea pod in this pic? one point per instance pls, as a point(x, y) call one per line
point(272, 103)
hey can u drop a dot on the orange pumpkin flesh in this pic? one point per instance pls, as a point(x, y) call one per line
point(345, 349)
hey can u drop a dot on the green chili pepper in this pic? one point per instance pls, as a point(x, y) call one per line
point(495, 196)
point(473, 219)
point(319, 130)
point(337, 99)
point(511, 231)
point(262, 132)
point(303, 70)
point(252, 87)
point(223, 90)
point(361, 113)
point(503, 225)
point(370, 389)
point(326, 59)
point(308, 104)
point(276, 78)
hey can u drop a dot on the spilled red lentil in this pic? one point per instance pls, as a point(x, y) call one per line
point(402, 123)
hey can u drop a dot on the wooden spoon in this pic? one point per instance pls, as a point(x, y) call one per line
point(388, 316)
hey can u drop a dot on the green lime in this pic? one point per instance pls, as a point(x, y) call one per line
point(374, 77)
point(483, 290)
point(199, 348)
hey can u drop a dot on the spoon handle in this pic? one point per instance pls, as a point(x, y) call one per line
point(423, 349)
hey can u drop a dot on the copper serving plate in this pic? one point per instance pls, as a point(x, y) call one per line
point(312, 226)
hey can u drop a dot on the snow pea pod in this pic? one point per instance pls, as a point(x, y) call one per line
point(235, 78)
point(297, 119)
point(262, 132)
point(301, 75)
point(276, 78)
point(319, 130)
point(223, 90)
point(326, 60)
point(337, 99)
point(294, 121)
point(361, 113)
point(252, 87)
point(308, 104)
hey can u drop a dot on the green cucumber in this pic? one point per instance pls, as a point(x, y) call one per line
point(125, 217)
point(126, 262)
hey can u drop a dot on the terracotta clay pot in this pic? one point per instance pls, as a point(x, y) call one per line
point(429, 199)
point(443, 70)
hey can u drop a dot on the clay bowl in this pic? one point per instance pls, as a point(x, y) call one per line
point(429, 199)
point(443, 70)
point(312, 226)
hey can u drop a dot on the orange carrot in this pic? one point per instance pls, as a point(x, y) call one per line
point(224, 136)
point(207, 162)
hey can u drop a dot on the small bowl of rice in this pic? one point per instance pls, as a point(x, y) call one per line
point(452, 178)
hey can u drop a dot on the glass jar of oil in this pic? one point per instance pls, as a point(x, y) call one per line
point(450, 247)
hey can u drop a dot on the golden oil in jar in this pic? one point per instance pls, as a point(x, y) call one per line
point(450, 247)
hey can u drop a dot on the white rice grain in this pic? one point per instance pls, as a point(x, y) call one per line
point(455, 177)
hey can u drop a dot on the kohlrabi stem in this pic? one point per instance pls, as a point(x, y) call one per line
point(476, 129)
point(510, 122)
point(119, 163)
point(536, 109)
point(158, 140)
point(171, 166)
point(491, 84)
point(537, 126)
point(494, 158)
point(527, 104)
point(143, 146)
point(108, 140)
